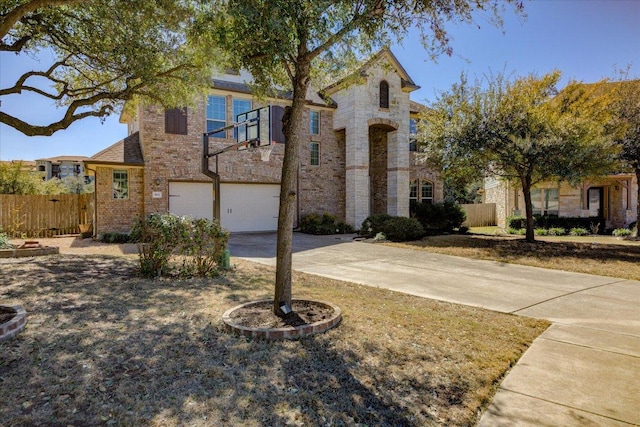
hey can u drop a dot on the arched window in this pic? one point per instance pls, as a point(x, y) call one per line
point(426, 192)
point(384, 94)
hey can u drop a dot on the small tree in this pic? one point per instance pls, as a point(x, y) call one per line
point(286, 43)
point(14, 179)
point(521, 130)
point(627, 119)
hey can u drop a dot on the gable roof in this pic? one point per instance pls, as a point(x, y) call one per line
point(124, 152)
point(407, 82)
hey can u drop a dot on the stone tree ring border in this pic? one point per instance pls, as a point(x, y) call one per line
point(290, 332)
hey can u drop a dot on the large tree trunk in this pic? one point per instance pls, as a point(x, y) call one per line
point(528, 208)
point(294, 124)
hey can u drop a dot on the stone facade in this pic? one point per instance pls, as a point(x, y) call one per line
point(364, 162)
point(618, 194)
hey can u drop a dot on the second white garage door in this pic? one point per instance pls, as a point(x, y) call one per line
point(249, 207)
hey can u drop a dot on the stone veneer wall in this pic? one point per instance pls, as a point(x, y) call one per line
point(322, 188)
point(118, 215)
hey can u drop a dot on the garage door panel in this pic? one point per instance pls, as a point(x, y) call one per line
point(249, 207)
point(191, 199)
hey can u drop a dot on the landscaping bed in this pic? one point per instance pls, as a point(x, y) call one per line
point(104, 347)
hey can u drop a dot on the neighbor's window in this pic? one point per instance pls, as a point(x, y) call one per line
point(426, 192)
point(384, 94)
point(314, 122)
point(240, 106)
point(175, 121)
point(216, 115)
point(545, 201)
point(120, 184)
point(314, 149)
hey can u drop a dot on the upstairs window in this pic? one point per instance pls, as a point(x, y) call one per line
point(216, 115)
point(314, 122)
point(384, 94)
point(240, 106)
point(175, 121)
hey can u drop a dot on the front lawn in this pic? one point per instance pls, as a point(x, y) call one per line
point(103, 347)
point(601, 255)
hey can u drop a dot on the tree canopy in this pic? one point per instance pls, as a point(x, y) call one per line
point(285, 44)
point(522, 130)
point(105, 52)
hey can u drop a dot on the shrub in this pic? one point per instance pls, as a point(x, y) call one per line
point(439, 217)
point(401, 229)
point(578, 231)
point(4, 241)
point(202, 241)
point(115, 238)
point(621, 232)
point(557, 231)
point(516, 222)
point(327, 224)
point(517, 231)
point(373, 224)
point(541, 232)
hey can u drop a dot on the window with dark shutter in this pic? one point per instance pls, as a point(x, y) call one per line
point(384, 94)
point(175, 121)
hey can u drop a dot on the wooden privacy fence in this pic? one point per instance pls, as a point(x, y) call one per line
point(480, 215)
point(45, 215)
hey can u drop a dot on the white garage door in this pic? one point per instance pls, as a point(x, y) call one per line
point(191, 198)
point(249, 207)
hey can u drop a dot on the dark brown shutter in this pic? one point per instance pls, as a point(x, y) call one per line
point(175, 121)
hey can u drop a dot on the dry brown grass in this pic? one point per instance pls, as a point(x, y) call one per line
point(615, 260)
point(103, 347)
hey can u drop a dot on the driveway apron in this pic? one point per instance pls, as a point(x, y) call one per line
point(583, 371)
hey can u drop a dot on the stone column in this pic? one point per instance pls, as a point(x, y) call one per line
point(357, 172)
point(397, 174)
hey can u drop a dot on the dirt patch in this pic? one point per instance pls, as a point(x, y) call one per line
point(261, 315)
point(6, 314)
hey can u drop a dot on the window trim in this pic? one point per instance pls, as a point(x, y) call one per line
point(422, 188)
point(543, 199)
point(126, 182)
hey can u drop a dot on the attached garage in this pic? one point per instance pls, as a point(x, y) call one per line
point(249, 207)
point(191, 198)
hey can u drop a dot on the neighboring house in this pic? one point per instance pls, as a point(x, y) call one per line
point(612, 197)
point(62, 167)
point(355, 160)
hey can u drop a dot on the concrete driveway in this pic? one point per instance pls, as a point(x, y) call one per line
point(583, 371)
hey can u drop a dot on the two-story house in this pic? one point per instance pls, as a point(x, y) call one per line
point(357, 158)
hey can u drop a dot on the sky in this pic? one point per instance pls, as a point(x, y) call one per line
point(585, 39)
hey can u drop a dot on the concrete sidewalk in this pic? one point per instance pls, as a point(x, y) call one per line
point(583, 371)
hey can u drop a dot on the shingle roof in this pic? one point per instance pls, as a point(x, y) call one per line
point(126, 151)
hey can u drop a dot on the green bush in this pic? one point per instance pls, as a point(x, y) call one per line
point(579, 231)
point(516, 222)
point(373, 224)
point(541, 232)
point(557, 231)
point(201, 241)
point(327, 224)
point(4, 241)
point(621, 232)
point(401, 229)
point(517, 231)
point(439, 217)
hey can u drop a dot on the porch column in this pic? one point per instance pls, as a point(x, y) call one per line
point(357, 173)
point(397, 174)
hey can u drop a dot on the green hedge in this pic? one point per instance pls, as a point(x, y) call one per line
point(438, 218)
point(401, 229)
point(550, 222)
point(325, 224)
